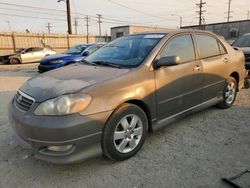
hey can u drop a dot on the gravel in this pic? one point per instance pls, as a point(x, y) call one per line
point(196, 151)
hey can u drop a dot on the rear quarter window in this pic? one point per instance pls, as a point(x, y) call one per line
point(222, 48)
point(208, 46)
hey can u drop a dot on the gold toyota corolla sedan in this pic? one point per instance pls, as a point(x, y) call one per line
point(132, 85)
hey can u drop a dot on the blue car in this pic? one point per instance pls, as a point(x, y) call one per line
point(72, 55)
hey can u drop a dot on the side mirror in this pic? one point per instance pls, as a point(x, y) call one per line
point(85, 53)
point(167, 61)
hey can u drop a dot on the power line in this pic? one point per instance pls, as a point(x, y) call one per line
point(32, 11)
point(57, 12)
point(133, 9)
point(32, 17)
point(200, 12)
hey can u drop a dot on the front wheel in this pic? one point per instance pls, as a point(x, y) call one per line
point(229, 93)
point(125, 132)
point(14, 61)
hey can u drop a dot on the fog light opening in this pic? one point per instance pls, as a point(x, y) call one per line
point(60, 148)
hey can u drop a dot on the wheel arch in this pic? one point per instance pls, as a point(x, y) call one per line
point(236, 76)
point(145, 108)
point(16, 57)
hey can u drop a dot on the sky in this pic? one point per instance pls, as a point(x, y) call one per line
point(34, 15)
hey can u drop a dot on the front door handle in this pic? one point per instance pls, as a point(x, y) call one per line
point(197, 68)
point(225, 60)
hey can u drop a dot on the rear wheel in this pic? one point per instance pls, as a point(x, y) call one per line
point(14, 61)
point(125, 132)
point(229, 93)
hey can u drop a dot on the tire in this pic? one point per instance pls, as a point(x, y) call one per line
point(14, 61)
point(121, 138)
point(229, 93)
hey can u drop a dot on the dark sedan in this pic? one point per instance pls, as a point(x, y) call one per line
point(243, 43)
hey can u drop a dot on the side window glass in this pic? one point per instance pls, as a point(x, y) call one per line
point(181, 46)
point(207, 45)
point(36, 49)
point(92, 49)
point(222, 48)
point(28, 50)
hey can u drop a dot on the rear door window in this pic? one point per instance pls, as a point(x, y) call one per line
point(181, 46)
point(208, 46)
point(36, 49)
point(222, 48)
point(92, 49)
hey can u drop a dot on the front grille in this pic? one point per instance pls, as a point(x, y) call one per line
point(23, 101)
point(4, 59)
point(44, 62)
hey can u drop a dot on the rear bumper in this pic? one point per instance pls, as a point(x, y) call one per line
point(39, 132)
point(247, 80)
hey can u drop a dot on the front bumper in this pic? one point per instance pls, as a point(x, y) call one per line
point(39, 132)
point(44, 68)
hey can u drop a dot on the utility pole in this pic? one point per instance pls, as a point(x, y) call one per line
point(200, 12)
point(9, 25)
point(229, 11)
point(68, 15)
point(180, 17)
point(180, 21)
point(87, 25)
point(99, 22)
point(49, 27)
point(76, 25)
point(248, 13)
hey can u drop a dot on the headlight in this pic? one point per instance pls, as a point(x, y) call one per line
point(56, 62)
point(63, 105)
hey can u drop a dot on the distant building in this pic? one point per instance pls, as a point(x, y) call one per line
point(229, 30)
point(120, 31)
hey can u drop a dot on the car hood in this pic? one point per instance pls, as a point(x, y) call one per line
point(61, 57)
point(246, 50)
point(68, 79)
point(7, 55)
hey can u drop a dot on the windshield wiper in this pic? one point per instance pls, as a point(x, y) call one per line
point(106, 63)
point(87, 62)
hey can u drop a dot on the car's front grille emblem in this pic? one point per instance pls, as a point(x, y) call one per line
point(23, 101)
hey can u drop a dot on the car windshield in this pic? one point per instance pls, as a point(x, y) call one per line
point(19, 50)
point(129, 51)
point(76, 49)
point(243, 41)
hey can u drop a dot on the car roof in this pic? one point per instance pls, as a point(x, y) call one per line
point(175, 31)
point(246, 34)
point(84, 44)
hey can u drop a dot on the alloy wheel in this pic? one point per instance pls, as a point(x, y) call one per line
point(230, 92)
point(128, 133)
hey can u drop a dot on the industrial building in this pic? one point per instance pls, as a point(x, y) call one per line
point(229, 30)
point(131, 29)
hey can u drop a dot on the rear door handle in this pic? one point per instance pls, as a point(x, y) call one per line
point(225, 60)
point(197, 68)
